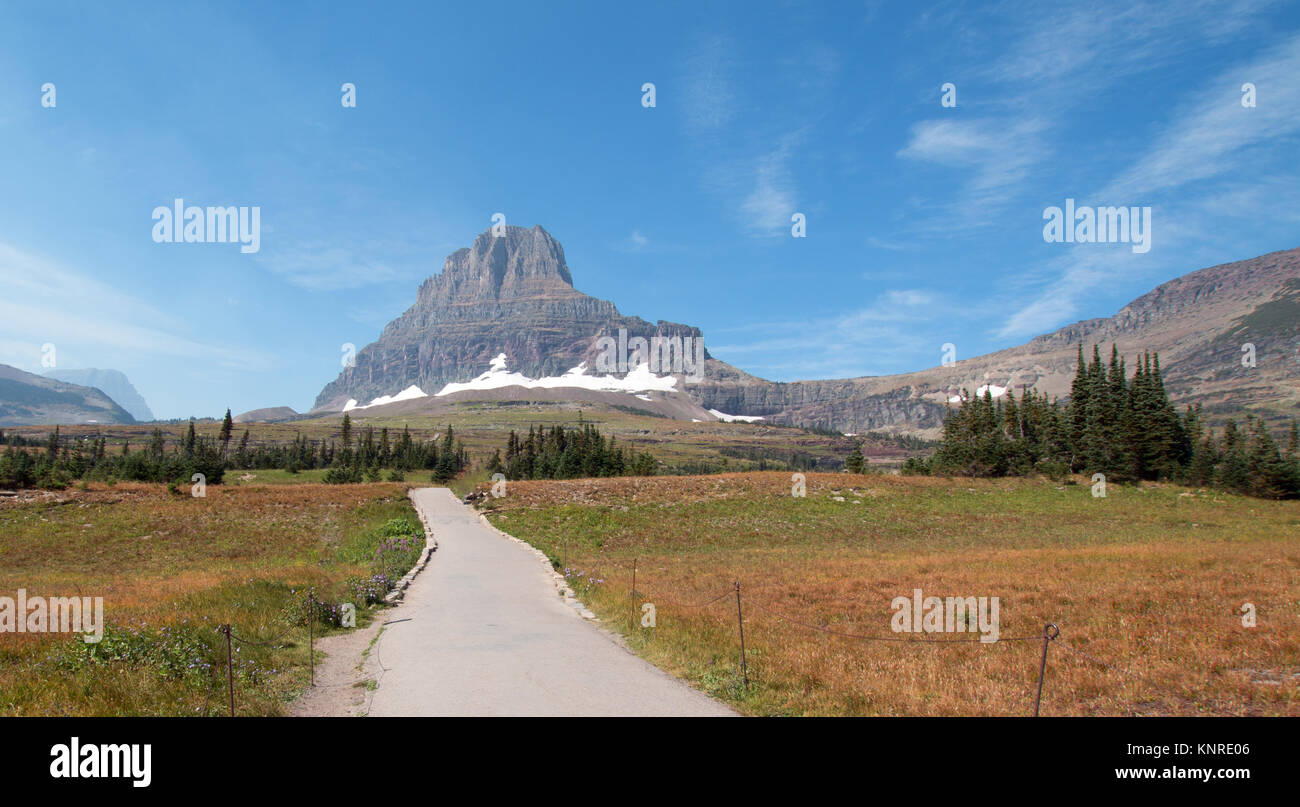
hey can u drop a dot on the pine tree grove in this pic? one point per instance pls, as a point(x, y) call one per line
point(1119, 425)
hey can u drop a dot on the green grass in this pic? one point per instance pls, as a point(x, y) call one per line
point(171, 570)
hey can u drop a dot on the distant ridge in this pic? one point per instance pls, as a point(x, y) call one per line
point(270, 414)
point(113, 383)
point(514, 294)
point(27, 399)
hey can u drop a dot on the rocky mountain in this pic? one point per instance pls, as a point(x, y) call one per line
point(1200, 324)
point(28, 399)
point(514, 294)
point(114, 383)
point(510, 294)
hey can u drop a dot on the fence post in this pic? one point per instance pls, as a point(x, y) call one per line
point(740, 621)
point(311, 634)
point(1050, 632)
point(230, 670)
point(631, 628)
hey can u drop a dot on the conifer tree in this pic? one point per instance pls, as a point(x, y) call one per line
point(1233, 471)
point(346, 431)
point(853, 464)
point(1078, 408)
point(227, 426)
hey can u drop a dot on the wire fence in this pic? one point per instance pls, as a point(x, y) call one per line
point(1049, 635)
point(276, 643)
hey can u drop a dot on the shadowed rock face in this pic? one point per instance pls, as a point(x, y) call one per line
point(514, 294)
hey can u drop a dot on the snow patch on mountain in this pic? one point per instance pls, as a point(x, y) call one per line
point(723, 416)
point(637, 382)
point(498, 376)
point(997, 391)
point(410, 393)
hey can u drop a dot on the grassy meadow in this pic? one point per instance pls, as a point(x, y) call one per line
point(171, 568)
point(483, 426)
point(1146, 586)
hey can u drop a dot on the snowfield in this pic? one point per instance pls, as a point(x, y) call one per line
point(637, 382)
point(723, 416)
point(997, 391)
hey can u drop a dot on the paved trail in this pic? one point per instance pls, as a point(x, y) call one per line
point(483, 632)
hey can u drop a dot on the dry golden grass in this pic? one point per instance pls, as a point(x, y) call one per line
point(240, 555)
point(1148, 580)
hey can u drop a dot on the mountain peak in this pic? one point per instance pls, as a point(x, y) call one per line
point(514, 262)
point(509, 293)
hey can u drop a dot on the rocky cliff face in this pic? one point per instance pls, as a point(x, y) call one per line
point(509, 294)
point(842, 405)
point(514, 294)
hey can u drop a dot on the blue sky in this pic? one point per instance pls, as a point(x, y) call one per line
point(924, 223)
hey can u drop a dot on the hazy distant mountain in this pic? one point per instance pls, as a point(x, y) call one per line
point(514, 295)
point(112, 382)
point(29, 399)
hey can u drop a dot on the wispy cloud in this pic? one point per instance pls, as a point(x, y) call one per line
point(1088, 48)
point(762, 188)
point(891, 246)
point(1187, 172)
point(835, 346)
point(1085, 51)
point(83, 318)
point(997, 154)
point(321, 267)
point(1212, 135)
point(1077, 272)
point(708, 100)
point(768, 207)
point(638, 241)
